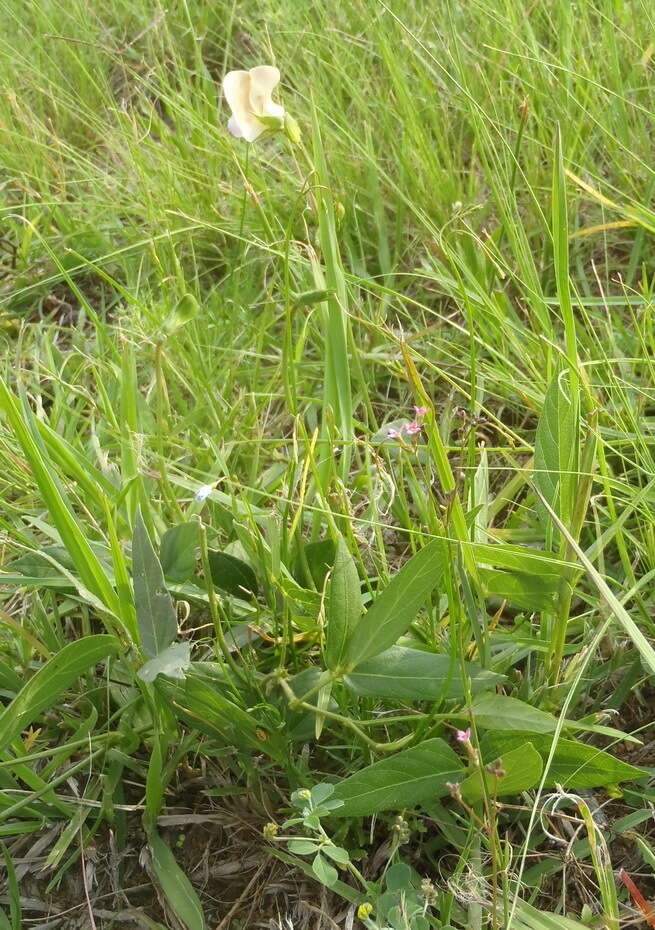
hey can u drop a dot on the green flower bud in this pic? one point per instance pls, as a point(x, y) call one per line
point(292, 130)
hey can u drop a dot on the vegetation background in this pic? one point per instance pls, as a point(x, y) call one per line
point(351, 629)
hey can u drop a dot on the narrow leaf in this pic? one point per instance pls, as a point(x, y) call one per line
point(574, 764)
point(51, 681)
point(532, 592)
point(633, 631)
point(394, 609)
point(528, 917)
point(413, 675)
point(177, 888)
point(497, 712)
point(154, 607)
point(555, 451)
point(201, 704)
point(86, 562)
point(344, 606)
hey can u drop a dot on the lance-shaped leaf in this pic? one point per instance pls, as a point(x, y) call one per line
point(403, 780)
point(394, 609)
point(405, 674)
point(344, 606)
point(556, 447)
point(155, 612)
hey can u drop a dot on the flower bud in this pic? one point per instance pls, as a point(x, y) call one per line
point(292, 130)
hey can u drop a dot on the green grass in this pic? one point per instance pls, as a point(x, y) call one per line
point(466, 226)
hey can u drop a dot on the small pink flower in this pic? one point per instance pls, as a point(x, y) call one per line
point(394, 433)
point(463, 736)
point(412, 428)
point(420, 412)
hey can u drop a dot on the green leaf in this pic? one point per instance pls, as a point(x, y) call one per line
point(177, 551)
point(177, 888)
point(185, 310)
point(403, 780)
point(520, 559)
point(35, 565)
point(337, 853)
point(302, 847)
point(400, 877)
point(324, 872)
point(13, 890)
point(155, 612)
point(321, 793)
point(155, 782)
point(87, 564)
point(631, 628)
point(394, 609)
point(146, 923)
point(528, 917)
point(320, 558)
point(406, 674)
point(337, 386)
point(171, 662)
point(497, 712)
point(532, 592)
point(51, 681)
point(555, 452)
point(301, 724)
point(522, 766)
point(10, 680)
point(574, 765)
point(344, 606)
point(308, 298)
point(347, 892)
point(201, 704)
point(232, 575)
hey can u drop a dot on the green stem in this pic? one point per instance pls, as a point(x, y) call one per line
point(214, 606)
point(344, 721)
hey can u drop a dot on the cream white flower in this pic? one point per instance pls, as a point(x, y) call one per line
point(248, 94)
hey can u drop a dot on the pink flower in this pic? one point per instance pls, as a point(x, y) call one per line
point(420, 412)
point(463, 736)
point(410, 429)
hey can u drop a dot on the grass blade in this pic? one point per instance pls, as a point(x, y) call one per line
point(85, 560)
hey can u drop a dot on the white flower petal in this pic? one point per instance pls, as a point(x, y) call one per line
point(273, 109)
point(236, 87)
point(251, 128)
point(263, 79)
point(234, 128)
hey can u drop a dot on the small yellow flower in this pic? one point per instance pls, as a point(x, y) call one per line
point(248, 94)
point(270, 831)
point(364, 910)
